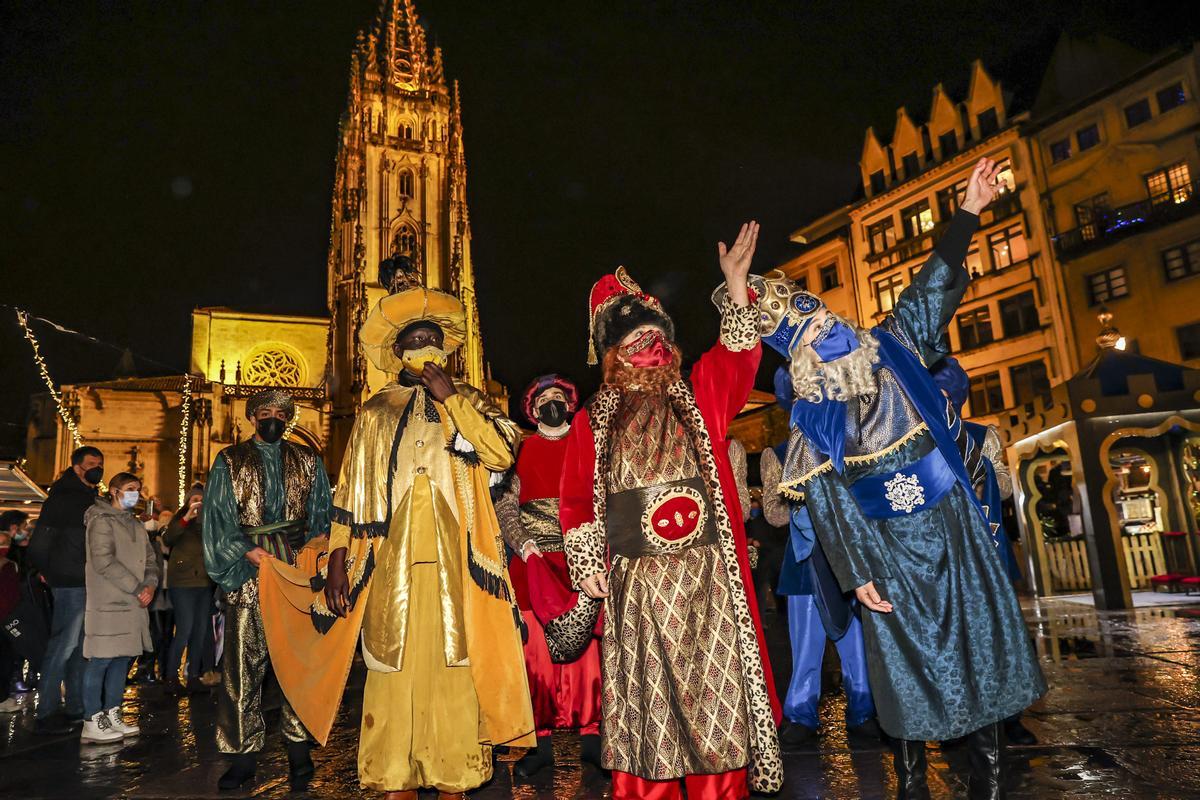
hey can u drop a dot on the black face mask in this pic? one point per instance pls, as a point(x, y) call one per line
point(270, 430)
point(552, 413)
point(94, 475)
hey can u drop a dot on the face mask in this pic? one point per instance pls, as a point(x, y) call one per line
point(20, 536)
point(271, 429)
point(552, 413)
point(755, 513)
point(94, 475)
point(838, 340)
point(651, 349)
point(129, 499)
point(414, 361)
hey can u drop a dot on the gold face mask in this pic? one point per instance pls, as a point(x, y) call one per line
point(414, 361)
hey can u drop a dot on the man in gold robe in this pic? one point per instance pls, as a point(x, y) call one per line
point(414, 537)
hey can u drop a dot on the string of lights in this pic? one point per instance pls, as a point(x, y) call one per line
point(185, 433)
point(68, 420)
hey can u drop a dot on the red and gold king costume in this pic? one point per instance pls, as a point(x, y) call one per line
point(562, 645)
point(648, 496)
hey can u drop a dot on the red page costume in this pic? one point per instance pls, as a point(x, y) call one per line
point(646, 497)
point(562, 646)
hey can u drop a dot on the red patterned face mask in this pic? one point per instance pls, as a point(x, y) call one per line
point(651, 349)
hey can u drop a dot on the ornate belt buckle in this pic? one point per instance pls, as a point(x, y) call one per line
point(675, 516)
point(904, 493)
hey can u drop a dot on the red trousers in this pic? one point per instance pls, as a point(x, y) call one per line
point(722, 786)
point(563, 695)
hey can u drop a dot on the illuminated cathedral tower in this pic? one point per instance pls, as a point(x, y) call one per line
point(399, 190)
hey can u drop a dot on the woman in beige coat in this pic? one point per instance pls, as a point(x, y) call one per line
point(121, 575)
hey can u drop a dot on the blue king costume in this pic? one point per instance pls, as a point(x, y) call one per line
point(817, 608)
point(891, 502)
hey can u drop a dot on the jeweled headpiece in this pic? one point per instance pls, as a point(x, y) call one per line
point(271, 398)
point(785, 311)
point(616, 306)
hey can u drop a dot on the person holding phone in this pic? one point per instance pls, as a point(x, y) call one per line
point(190, 593)
point(122, 576)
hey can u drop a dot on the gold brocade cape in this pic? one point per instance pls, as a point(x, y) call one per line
point(312, 651)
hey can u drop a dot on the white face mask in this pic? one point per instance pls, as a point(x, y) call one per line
point(129, 499)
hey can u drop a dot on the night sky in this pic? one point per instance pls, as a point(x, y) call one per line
point(155, 157)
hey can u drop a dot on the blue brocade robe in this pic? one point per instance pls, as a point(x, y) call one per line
point(954, 655)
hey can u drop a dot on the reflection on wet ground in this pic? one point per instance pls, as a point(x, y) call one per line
point(1121, 720)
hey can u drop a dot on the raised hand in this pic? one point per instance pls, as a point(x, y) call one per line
point(982, 187)
point(735, 261)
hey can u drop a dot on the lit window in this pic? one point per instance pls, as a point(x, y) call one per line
point(1090, 215)
point(948, 142)
point(1182, 260)
point(405, 241)
point(1169, 185)
point(987, 395)
point(1088, 137)
point(1189, 341)
point(975, 328)
point(1019, 314)
point(887, 291)
point(882, 235)
point(1137, 113)
point(1107, 285)
point(829, 277)
point(918, 219)
point(1060, 150)
point(1029, 381)
point(1004, 176)
point(974, 262)
point(1008, 247)
point(989, 123)
point(1170, 97)
point(949, 199)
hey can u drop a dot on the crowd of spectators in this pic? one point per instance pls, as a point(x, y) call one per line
point(105, 587)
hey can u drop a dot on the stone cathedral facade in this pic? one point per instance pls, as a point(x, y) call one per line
point(399, 190)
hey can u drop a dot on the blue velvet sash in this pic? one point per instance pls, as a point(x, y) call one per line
point(917, 487)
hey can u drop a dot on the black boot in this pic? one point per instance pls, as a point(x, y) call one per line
point(300, 765)
point(589, 749)
point(241, 770)
point(1015, 732)
point(910, 770)
point(533, 761)
point(985, 748)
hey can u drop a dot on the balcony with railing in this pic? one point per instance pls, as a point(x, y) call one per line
point(1109, 225)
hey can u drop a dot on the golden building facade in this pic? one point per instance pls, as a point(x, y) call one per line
point(1118, 161)
point(1010, 333)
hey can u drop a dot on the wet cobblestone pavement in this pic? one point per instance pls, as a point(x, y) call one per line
point(1121, 720)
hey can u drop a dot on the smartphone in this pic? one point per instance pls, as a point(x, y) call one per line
point(150, 508)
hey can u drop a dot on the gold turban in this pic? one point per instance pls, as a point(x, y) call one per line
point(396, 312)
point(271, 398)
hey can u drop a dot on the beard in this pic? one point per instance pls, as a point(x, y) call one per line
point(619, 372)
point(852, 375)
